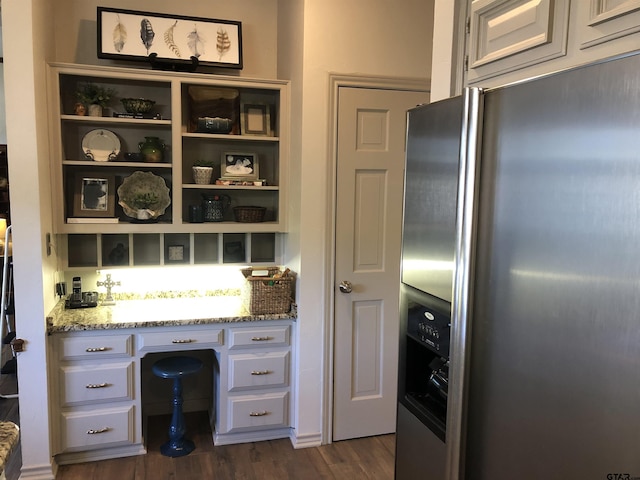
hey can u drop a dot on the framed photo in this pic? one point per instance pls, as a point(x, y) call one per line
point(142, 36)
point(239, 166)
point(255, 119)
point(94, 195)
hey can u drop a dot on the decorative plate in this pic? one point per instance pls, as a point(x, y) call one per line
point(143, 195)
point(101, 145)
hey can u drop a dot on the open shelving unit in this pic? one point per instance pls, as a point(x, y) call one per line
point(181, 98)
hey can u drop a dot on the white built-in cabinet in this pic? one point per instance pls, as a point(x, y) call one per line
point(180, 99)
point(101, 395)
point(508, 41)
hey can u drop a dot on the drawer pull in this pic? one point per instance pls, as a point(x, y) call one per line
point(186, 340)
point(261, 339)
point(97, 349)
point(260, 372)
point(100, 430)
point(96, 385)
point(259, 414)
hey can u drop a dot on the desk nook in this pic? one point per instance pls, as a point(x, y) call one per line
point(100, 373)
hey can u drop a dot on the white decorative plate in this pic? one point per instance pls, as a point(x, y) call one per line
point(101, 145)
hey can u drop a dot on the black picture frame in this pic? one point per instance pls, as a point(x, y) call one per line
point(133, 35)
point(239, 166)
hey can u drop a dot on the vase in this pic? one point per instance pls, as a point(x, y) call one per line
point(214, 206)
point(95, 110)
point(202, 175)
point(152, 149)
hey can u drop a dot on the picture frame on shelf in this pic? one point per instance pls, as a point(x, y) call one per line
point(94, 195)
point(175, 253)
point(134, 35)
point(239, 166)
point(255, 119)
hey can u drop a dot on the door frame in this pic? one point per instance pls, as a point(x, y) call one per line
point(337, 81)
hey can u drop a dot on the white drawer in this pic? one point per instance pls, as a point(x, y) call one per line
point(258, 370)
point(180, 339)
point(89, 383)
point(274, 336)
point(258, 411)
point(98, 346)
point(97, 428)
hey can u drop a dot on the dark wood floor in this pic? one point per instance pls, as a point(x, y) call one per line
point(365, 458)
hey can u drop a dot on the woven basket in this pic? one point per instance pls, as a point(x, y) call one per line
point(249, 214)
point(264, 295)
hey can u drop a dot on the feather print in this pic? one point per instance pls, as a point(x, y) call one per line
point(168, 39)
point(119, 36)
point(146, 34)
point(223, 44)
point(195, 42)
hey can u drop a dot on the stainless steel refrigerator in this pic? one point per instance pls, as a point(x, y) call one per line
point(544, 354)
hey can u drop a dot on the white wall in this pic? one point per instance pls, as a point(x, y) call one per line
point(24, 62)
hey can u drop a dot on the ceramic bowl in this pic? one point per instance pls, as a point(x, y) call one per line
point(137, 105)
point(214, 125)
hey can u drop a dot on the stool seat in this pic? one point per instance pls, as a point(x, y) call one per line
point(176, 368)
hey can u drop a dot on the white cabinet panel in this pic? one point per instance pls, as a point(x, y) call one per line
point(258, 370)
point(258, 411)
point(510, 35)
point(96, 383)
point(607, 20)
point(84, 430)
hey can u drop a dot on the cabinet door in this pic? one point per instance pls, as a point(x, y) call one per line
point(606, 20)
point(510, 35)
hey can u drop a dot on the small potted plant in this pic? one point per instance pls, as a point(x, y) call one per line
point(203, 171)
point(143, 202)
point(94, 97)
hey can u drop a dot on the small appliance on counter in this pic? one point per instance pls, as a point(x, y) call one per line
point(80, 299)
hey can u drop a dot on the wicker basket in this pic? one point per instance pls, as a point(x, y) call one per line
point(249, 214)
point(265, 295)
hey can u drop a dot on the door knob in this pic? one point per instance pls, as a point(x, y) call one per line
point(346, 287)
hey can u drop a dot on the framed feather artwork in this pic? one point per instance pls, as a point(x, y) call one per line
point(168, 40)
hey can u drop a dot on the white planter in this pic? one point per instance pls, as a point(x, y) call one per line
point(202, 175)
point(95, 110)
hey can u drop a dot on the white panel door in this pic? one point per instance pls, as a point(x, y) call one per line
point(370, 175)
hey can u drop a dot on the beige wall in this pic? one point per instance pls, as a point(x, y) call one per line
point(75, 33)
point(360, 37)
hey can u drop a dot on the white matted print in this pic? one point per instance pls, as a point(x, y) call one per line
point(239, 166)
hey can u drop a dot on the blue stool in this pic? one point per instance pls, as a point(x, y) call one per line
point(176, 368)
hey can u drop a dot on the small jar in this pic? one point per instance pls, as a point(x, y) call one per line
point(213, 207)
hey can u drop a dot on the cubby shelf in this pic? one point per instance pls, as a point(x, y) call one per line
point(181, 98)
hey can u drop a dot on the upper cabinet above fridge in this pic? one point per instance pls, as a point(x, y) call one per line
point(509, 41)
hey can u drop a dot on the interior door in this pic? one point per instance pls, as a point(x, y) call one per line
point(370, 174)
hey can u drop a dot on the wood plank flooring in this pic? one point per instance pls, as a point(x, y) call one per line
point(364, 458)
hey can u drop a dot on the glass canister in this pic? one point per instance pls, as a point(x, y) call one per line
point(214, 206)
point(152, 149)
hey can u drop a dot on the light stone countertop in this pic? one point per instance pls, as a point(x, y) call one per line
point(156, 312)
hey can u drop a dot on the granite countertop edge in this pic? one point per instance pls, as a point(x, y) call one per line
point(61, 319)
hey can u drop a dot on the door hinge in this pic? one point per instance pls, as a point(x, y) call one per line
point(467, 26)
point(466, 63)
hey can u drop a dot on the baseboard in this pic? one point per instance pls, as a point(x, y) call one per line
point(246, 437)
point(40, 472)
point(305, 441)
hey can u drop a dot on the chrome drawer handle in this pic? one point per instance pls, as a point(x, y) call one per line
point(100, 430)
point(96, 385)
point(261, 339)
point(259, 414)
point(186, 340)
point(260, 372)
point(97, 349)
